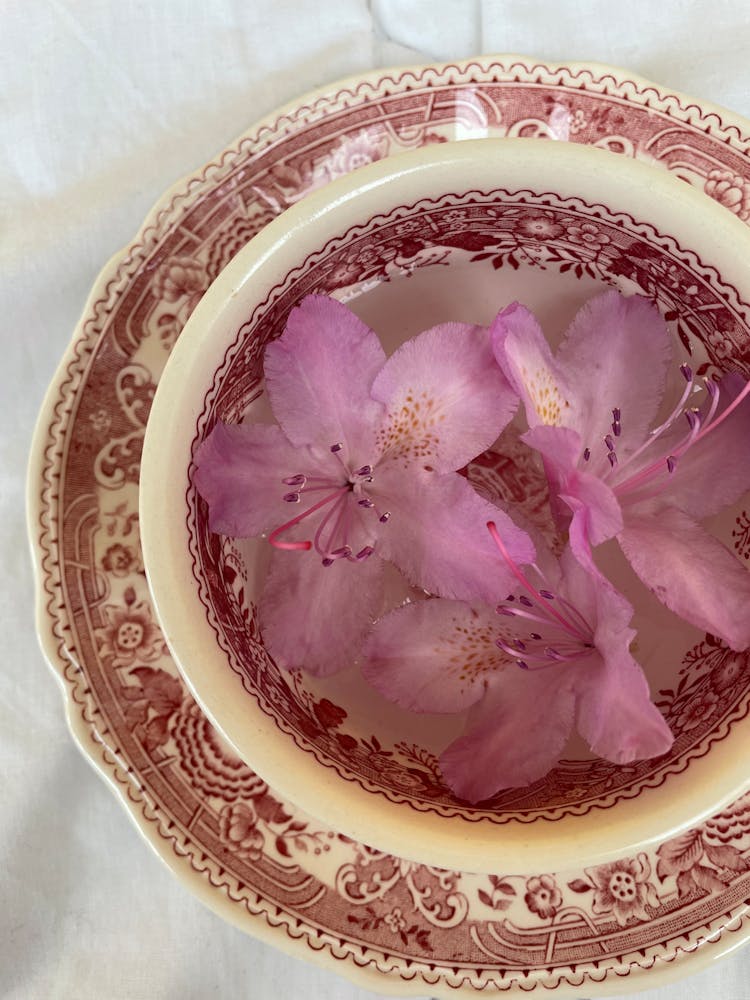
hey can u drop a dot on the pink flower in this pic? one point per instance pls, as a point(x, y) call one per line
point(355, 151)
point(589, 235)
point(119, 560)
point(395, 920)
point(540, 226)
point(543, 896)
point(238, 829)
point(699, 708)
point(180, 277)
point(589, 411)
point(732, 670)
point(569, 635)
point(367, 449)
point(129, 634)
point(623, 888)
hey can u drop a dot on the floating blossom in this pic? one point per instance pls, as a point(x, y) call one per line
point(360, 469)
point(591, 411)
point(553, 654)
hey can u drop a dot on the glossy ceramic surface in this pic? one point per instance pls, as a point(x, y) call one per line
point(389, 924)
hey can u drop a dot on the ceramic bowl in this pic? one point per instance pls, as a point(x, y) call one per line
point(448, 232)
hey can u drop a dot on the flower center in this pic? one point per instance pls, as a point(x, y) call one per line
point(622, 886)
point(651, 472)
point(561, 634)
point(129, 635)
point(335, 529)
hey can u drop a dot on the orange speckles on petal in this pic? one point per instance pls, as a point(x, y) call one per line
point(474, 653)
point(545, 396)
point(409, 430)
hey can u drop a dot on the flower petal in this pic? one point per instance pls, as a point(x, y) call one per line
point(616, 353)
point(594, 505)
point(239, 474)
point(316, 617)
point(446, 400)
point(715, 472)
point(437, 535)
point(522, 351)
point(514, 736)
point(435, 655)
point(319, 374)
point(614, 712)
point(690, 571)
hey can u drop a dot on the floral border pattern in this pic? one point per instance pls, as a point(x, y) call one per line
point(84, 566)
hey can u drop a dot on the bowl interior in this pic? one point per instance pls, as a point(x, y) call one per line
point(462, 256)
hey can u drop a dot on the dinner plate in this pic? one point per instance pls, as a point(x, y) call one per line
point(389, 924)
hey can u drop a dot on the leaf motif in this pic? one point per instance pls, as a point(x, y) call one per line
point(685, 883)
point(502, 904)
point(580, 885)
point(506, 887)
point(469, 241)
point(156, 733)
point(163, 691)
point(270, 809)
point(485, 897)
point(282, 848)
point(726, 856)
point(707, 878)
point(136, 712)
point(680, 853)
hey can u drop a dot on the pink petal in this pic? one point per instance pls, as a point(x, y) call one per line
point(594, 505)
point(319, 374)
point(614, 711)
point(616, 353)
point(435, 655)
point(522, 351)
point(690, 571)
point(514, 736)
point(437, 535)
point(239, 474)
point(715, 472)
point(316, 617)
point(446, 399)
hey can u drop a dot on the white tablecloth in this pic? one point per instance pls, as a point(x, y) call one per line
point(103, 104)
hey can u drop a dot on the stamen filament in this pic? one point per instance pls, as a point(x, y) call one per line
point(492, 528)
point(306, 545)
point(658, 431)
point(335, 511)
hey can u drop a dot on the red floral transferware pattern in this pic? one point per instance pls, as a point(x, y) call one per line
point(503, 229)
point(218, 826)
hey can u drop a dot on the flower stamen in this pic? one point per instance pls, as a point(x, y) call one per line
point(305, 546)
point(540, 651)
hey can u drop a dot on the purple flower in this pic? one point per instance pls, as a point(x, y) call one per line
point(590, 409)
point(554, 654)
point(360, 469)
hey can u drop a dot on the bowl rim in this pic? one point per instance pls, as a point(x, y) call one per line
point(454, 843)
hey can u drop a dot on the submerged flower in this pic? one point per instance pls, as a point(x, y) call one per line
point(554, 654)
point(590, 411)
point(363, 458)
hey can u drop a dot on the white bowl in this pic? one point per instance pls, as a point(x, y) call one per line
point(445, 232)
